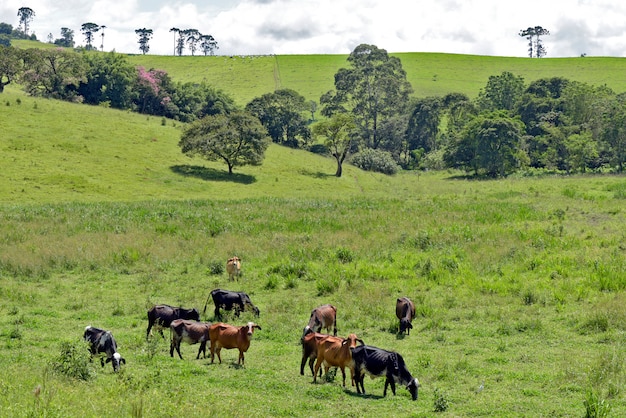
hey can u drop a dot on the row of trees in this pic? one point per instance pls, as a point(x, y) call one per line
point(554, 124)
point(369, 117)
point(191, 38)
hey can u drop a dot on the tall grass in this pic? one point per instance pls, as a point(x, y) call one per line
point(504, 299)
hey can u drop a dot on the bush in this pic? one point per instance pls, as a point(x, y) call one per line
point(375, 160)
point(74, 361)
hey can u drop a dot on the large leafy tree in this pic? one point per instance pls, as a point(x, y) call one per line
point(191, 101)
point(237, 139)
point(26, 15)
point(11, 65)
point(373, 89)
point(54, 73)
point(109, 79)
point(423, 126)
point(338, 135)
point(501, 92)
point(89, 29)
point(491, 145)
point(282, 113)
point(144, 39)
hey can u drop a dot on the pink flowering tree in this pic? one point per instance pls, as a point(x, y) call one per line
point(153, 91)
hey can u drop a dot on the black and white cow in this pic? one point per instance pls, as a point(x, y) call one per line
point(229, 300)
point(101, 341)
point(161, 316)
point(378, 362)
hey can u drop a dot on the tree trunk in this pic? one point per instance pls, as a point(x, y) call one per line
point(339, 168)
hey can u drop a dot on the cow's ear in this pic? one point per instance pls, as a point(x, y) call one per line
point(122, 360)
point(108, 360)
point(257, 326)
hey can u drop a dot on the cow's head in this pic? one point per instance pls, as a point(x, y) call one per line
point(352, 340)
point(413, 387)
point(405, 324)
point(250, 327)
point(116, 360)
point(194, 315)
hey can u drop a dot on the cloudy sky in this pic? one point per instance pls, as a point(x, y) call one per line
point(257, 27)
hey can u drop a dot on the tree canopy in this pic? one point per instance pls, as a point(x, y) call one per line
point(373, 89)
point(237, 139)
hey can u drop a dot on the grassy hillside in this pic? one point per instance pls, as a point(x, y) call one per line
point(430, 74)
point(56, 151)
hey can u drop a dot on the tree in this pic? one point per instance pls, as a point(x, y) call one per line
point(490, 144)
point(423, 126)
point(109, 80)
point(180, 43)
point(208, 44)
point(192, 37)
point(373, 89)
point(54, 73)
point(581, 151)
point(237, 138)
point(501, 92)
point(89, 30)
point(282, 114)
point(533, 36)
point(11, 65)
point(67, 38)
point(338, 134)
point(176, 32)
point(144, 39)
point(26, 15)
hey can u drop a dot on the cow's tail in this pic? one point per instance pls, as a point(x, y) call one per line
point(205, 304)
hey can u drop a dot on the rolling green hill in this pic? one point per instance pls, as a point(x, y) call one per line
point(430, 74)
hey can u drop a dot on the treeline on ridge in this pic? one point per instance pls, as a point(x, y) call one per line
point(372, 118)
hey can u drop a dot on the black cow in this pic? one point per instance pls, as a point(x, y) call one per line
point(161, 316)
point(227, 300)
point(101, 341)
point(378, 362)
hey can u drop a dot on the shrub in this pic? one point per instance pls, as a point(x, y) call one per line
point(375, 160)
point(74, 361)
point(440, 402)
point(216, 268)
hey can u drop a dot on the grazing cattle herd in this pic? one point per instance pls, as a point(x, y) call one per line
point(317, 348)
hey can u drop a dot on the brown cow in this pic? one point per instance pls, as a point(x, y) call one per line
point(309, 349)
point(228, 336)
point(190, 332)
point(335, 351)
point(405, 311)
point(324, 316)
point(233, 268)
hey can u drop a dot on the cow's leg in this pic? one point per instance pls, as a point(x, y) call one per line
point(318, 365)
point(148, 330)
point(358, 378)
point(178, 349)
point(203, 349)
point(241, 358)
point(219, 357)
point(212, 351)
point(343, 374)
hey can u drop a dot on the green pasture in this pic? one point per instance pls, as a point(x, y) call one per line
point(430, 74)
point(520, 283)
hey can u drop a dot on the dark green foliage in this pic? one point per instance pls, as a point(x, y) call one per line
point(74, 361)
point(375, 160)
point(283, 115)
point(109, 78)
point(373, 89)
